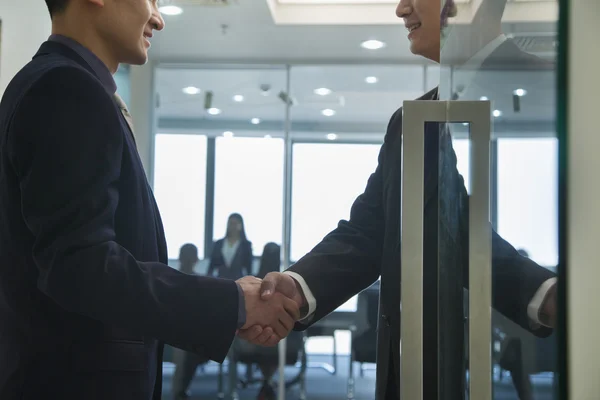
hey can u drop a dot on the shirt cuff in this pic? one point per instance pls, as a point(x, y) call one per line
point(310, 299)
point(241, 307)
point(533, 309)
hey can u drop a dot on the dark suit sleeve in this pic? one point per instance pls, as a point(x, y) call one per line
point(66, 144)
point(515, 279)
point(348, 259)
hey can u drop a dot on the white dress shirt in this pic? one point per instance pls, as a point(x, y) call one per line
point(228, 251)
point(461, 82)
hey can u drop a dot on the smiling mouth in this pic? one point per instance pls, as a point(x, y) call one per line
point(412, 28)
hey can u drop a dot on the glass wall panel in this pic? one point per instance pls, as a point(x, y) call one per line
point(487, 55)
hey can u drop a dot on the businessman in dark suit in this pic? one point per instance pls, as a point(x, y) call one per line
point(86, 296)
point(367, 246)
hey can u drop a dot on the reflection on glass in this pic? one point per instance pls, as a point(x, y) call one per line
point(527, 196)
point(179, 188)
point(488, 58)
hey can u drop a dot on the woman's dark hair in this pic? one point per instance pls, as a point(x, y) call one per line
point(241, 220)
point(270, 260)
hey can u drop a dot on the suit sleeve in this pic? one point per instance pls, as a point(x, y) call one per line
point(515, 279)
point(66, 144)
point(348, 259)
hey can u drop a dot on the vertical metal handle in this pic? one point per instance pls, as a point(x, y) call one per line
point(415, 115)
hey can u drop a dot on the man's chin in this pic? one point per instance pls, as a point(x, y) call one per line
point(138, 59)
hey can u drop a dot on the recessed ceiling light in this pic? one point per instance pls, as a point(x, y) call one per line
point(497, 113)
point(328, 112)
point(520, 92)
point(483, 98)
point(323, 91)
point(170, 10)
point(191, 90)
point(372, 44)
point(255, 121)
point(331, 136)
point(228, 134)
point(371, 79)
point(214, 111)
point(238, 98)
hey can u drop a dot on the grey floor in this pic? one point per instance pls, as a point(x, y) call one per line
point(321, 385)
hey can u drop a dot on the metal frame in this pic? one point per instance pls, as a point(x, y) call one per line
point(415, 114)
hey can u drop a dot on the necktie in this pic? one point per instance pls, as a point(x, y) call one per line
point(125, 113)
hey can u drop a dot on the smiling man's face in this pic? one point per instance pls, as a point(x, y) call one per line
point(423, 19)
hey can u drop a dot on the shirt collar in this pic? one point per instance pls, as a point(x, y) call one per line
point(99, 68)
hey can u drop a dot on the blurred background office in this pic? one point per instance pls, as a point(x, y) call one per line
point(265, 118)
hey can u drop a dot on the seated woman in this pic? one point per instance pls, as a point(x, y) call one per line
point(231, 256)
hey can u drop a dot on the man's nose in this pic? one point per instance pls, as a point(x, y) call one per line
point(157, 21)
point(404, 8)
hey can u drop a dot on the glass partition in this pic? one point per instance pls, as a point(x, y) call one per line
point(485, 58)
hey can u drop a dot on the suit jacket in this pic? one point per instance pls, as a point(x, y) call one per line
point(358, 251)
point(86, 297)
point(241, 265)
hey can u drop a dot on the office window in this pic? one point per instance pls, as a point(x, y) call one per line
point(180, 189)
point(249, 180)
point(527, 196)
point(326, 180)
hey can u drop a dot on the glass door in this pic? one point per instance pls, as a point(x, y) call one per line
point(480, 210)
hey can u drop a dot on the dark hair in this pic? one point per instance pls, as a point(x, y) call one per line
point(270, 260)
point(188, 255)
point(242, 232)
point(56, 6)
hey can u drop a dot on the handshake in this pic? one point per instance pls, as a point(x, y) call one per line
point(272, 307)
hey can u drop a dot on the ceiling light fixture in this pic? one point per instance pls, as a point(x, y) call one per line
point(497, 113)
point(268, 136)
point(328, 112)
point(255, 121)
point(170, 10)
point(372, 44)
point(191, 90)
point(331, 136)
point(214, 111)
point(228, 134)
point(322, 91)
point(238, 98)
point(520, 92)
point(371, 79)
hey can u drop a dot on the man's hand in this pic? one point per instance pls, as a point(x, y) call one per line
point(547, 313)
point(280, 284)
point(267, 320)
point(276, 282)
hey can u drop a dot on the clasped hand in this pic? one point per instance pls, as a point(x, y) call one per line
point(272, 308)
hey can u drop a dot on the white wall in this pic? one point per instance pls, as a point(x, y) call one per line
point(25, 25)
point(583, 318)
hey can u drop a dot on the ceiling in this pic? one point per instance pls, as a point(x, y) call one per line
point(195, 50)
point(198, 35)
